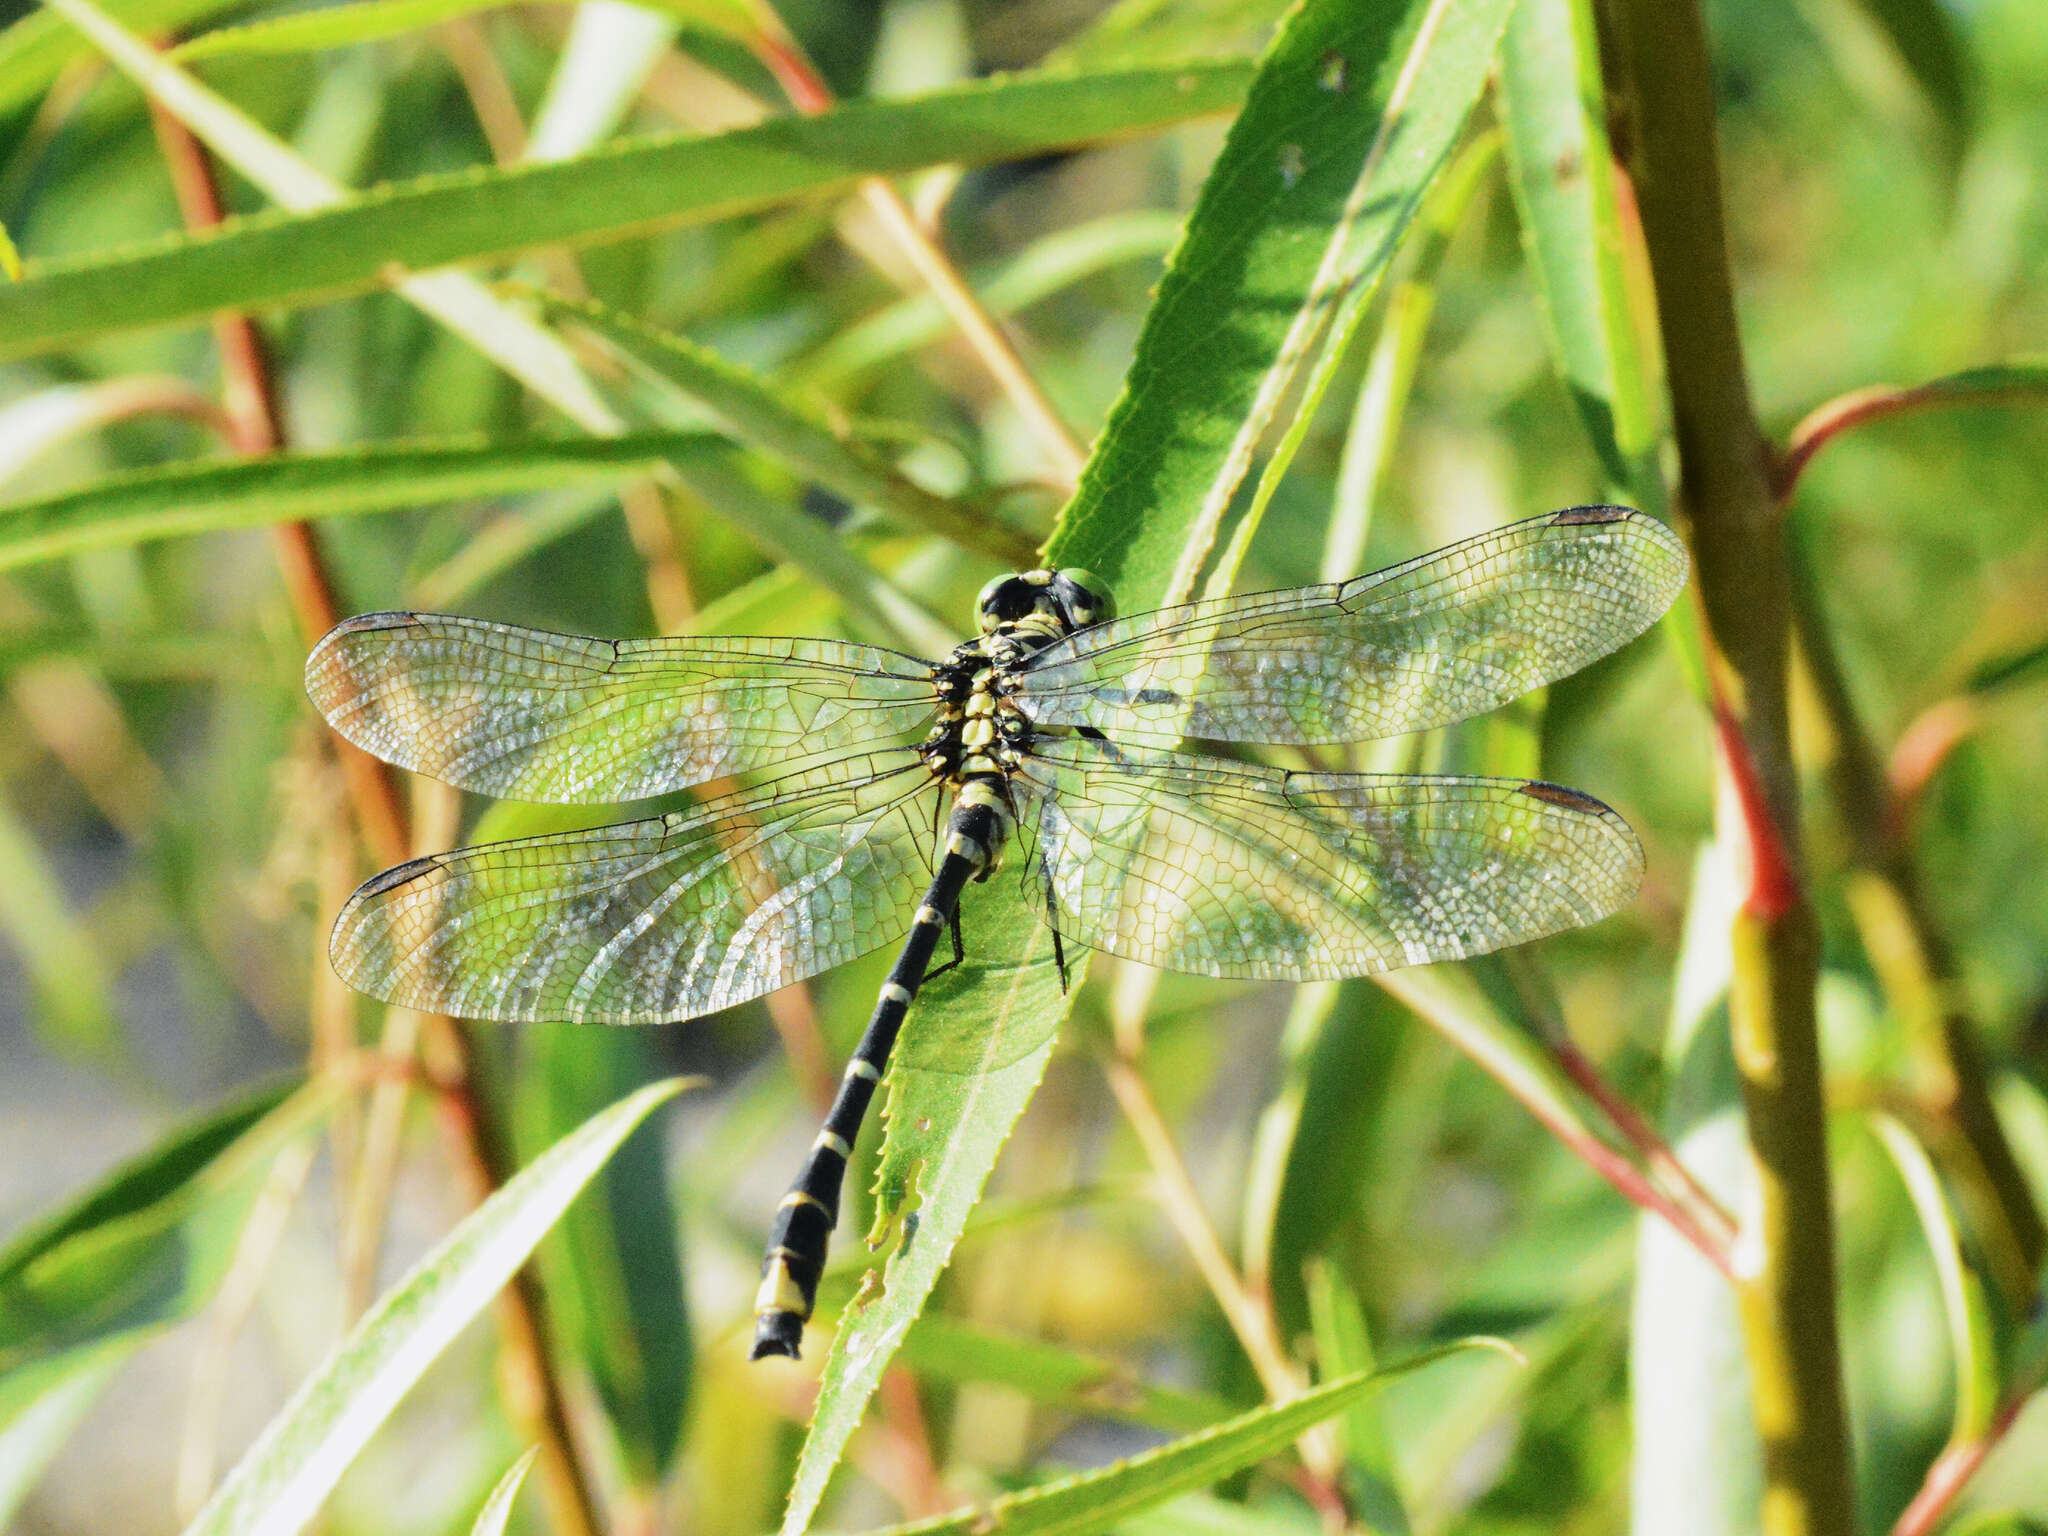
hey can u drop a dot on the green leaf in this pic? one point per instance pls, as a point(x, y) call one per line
point(1696, 1464)
point(331, 26)
point(1096, 1500)
point(1561, 169)
point(765, 418)
point(528, 352)
point(176, 1202)
point(613, 1275)
point(148, 1247)
point(624, 189)
point(207, 497)
point(1973, 1345)
point(1350, 120)
point(946, 1350)
point(1308, 179)
point(497, 1509)
point(279, 1484)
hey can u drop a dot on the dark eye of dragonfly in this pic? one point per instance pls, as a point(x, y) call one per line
point(1075, 597)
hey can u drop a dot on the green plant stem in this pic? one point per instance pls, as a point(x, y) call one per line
point(1785, 1256)
point(1920, 978)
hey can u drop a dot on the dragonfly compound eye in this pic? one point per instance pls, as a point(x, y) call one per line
point(1007, 599)
point(1084, 597)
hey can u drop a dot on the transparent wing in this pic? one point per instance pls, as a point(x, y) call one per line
point(526, 715)
point(1441, 638)
point(653, 920)
point(1234, 869)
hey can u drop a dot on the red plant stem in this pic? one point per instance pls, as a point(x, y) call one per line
point(1952, 1470)
point(532, 1389)
point(1825, 423)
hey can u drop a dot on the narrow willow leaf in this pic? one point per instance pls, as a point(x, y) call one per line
point(162, 1205)
point(948, 1350)
point(497, 1509)
point(146, 1250)
point(1905, 58)
point(1351, 119)
point(528, 352)
point(766, 419)
point(1973, 1345)
point(624, 189)
point(174, 500)
point(1097, 1500)
point(332, 26)
point(1562, 171)
point(279, 1484)
point(611, 49)
point(1252, 262)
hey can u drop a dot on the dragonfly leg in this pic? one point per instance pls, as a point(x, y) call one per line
point(959, 950)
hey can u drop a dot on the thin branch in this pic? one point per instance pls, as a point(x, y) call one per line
point(1847, 412)
point(1952, 1471)
point(1786, 1286)
point(809, 94)
point(1249, 1316)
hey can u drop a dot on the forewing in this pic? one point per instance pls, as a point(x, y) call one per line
point(1441, 638)
point(1231, 869)
point(653, 920)
point(526, 715)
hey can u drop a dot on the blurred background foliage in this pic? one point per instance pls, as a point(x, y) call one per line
point(173, 838)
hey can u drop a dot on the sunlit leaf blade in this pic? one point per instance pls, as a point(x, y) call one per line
point(282, 258)
point(279, 1484)
point(40, 1407)
point(944, 1349)
point(1353, 116)
point(207, 497)
point(497, 1509)
point(614, 1279)
point(1250, 262)
point(1344, 1348)
point(767, 419)
point(1097, 1500)
point(1562, 174)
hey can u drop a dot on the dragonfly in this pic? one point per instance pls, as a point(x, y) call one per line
point(868, 775)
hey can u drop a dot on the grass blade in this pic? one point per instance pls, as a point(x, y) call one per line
point(283, 258)
point(209, 496)
point(497, 1509)
point(279, 1485)
point(1097, 1500)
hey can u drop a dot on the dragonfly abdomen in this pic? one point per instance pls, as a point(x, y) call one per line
point(795, 1261)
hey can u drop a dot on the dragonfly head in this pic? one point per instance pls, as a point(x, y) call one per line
point(1072, 598)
